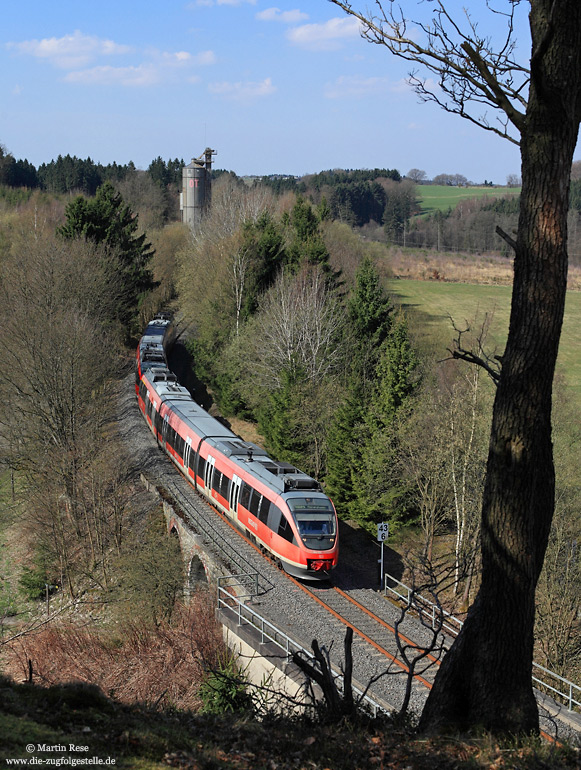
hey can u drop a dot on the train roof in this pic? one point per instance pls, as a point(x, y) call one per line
point(152, 354)
point(157, 324)
point(279, 476)
point(159, 333)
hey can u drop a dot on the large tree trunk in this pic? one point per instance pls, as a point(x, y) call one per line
point(485, 679)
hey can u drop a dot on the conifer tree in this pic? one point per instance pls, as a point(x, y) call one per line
point(263, 241)
point(378, 492)
point(278, 420)
point(106, 219)
point(369, 307)
point(395, 381)
point(306, 242)
point(370, 316)
point(343, 456)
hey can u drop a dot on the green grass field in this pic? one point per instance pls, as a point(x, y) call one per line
point(442, 197)
point(434, 302)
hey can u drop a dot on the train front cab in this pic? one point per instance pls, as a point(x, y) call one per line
point(316, 522)
point(299, 531)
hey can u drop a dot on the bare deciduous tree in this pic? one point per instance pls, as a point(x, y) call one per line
point(298, 327)
point(424, 459)
point(56, 299)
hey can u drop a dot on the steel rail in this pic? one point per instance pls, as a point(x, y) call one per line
point(361, 634)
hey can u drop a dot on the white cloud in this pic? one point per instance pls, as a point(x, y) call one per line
point(70, 51)
point(356, 87)
point(77, 52)
point(161, 68)
point(324, 37)
point(205, 58)
point(287, 17)
point(182, 58)
point(243, 91)
point(143, 75)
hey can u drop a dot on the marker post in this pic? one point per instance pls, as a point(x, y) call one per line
point(382, 535)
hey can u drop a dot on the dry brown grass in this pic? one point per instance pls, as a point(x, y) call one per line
point(247, 430)
point(461, 268)
point(161, 665)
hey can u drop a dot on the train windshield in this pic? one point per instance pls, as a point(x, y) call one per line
point(314, 516)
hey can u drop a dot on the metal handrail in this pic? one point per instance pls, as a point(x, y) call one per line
point(420, 603)
point(572, 687)
point(453, 626)
point(269, 632)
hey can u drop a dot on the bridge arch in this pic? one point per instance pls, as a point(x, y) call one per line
point(197, 574)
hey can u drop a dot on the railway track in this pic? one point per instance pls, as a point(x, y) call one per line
point(371, 629)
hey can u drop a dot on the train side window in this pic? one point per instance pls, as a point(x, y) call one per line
point(284, 530)
point(264, 509)
point(255, 502)
point(201, 466)
point(180, 445)
point(274, 517)
point(216, 479)
point(224, 484)
point(245, 496)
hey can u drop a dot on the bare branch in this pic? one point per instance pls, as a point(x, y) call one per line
point(506, 237)
point(468, 68)
point(477, 354)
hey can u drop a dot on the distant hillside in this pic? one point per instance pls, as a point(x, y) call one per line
point(443, 197)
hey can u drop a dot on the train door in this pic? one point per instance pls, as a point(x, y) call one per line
point(208, 471)
point(235, 494)
point(187, 451)
point(164, 429)
point(148, 408)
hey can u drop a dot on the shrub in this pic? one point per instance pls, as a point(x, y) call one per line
point(225, 690)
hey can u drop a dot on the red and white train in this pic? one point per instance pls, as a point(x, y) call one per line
point(280, 509)
point(154, 345)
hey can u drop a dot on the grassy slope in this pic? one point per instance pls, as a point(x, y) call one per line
point(141, 739)
point(435, 301)
point(442, 197)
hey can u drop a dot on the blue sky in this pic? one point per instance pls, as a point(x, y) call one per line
point(273, 87)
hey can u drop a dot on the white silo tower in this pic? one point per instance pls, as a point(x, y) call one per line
point(196, 188)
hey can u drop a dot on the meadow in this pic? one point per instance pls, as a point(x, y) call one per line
point(443, 197)
point(435, 302)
